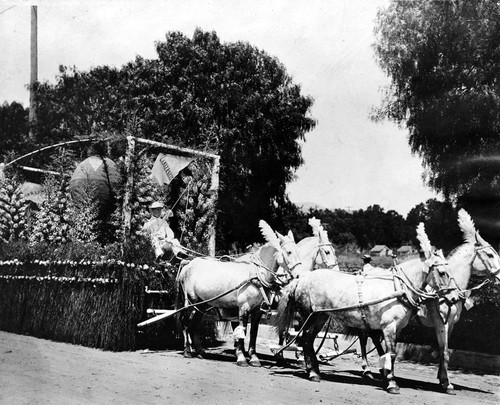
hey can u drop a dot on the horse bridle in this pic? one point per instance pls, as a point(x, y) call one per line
point(322, 253)
point(288, 267)
point(421, 294)
point(477, 249)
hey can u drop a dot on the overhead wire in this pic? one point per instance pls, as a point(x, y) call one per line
point(7, 9)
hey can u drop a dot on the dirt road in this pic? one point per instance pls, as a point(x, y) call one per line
point(36, 371)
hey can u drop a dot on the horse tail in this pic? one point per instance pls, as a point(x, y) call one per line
point(286, 307)
point(179, 295)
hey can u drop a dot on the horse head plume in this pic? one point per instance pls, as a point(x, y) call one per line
point(269, 235)
point(425, 243)
point(316, 226)
point(467, 226)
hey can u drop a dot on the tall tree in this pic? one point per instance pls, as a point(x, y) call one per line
point(376, 227)
point(232, 99)
point(440, 219)
point(443, 58)
point(13, 129)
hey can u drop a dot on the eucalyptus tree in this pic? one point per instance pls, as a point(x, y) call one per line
point(443, 59)
point(440, 219)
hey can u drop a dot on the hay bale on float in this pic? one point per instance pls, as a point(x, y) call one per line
point(94, 304)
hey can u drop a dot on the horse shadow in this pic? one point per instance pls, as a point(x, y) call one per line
point(355, 377)
point(431, 386)
point(226, 355)
point(331, 376)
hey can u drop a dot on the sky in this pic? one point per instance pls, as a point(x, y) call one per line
point(350, 162)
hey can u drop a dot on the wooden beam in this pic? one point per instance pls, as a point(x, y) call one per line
point(52, 147)
point(129, 167)
point(34, 169)
point(214, 191)
point(166, 314)
point(177, 149)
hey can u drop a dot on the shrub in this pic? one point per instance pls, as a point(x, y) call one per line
point(13, 209)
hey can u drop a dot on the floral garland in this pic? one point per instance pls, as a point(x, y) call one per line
point(74, 263)
point(63, 279)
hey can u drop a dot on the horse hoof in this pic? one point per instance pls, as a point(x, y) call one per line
point(450, 391)
point(314, 378)
point(393, 390)
point(255, 363)
point(242, 363)
point(368, 375)
point(187, 355)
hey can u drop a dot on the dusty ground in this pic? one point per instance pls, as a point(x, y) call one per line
point(36, 371)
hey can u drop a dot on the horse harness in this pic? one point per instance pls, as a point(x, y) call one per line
point(464, 295)
point(258, 279)
point(402, 287)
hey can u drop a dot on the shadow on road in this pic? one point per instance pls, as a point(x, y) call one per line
point(355, 377)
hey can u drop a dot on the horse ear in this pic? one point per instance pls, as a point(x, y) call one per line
point(480, 240)
point(290, 235)
point(427, 266)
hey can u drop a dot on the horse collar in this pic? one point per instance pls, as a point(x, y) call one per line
point(449, 304)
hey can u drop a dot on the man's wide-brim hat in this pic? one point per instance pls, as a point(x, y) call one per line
point(156, 204)
point(367, 257)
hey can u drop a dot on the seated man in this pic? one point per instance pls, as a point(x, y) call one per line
point(367, 267)
point(162, 236)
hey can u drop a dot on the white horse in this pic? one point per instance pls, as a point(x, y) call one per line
point(476, 256)
point(316, 252)
point(234, 288)
point(363, 303)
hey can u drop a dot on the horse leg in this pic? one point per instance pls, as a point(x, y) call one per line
point(377, 342)
point(363, 340)
point(195, 334)
point(186, 326)
point(280, 358)
point(316, 323)
point(299, 353)
point(239, 332)
point(443, 328)
point(254, 329)
point(443, 333)
point(376, 337)
point(386, 362)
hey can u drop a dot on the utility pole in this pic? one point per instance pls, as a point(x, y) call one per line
point(34, 68)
